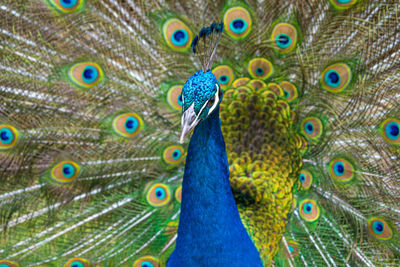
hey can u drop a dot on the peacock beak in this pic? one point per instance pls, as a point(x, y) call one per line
point(188, 122)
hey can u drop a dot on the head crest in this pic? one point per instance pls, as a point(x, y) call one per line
point(206, 51)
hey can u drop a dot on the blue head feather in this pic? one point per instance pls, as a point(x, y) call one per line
point(198, 89)
point(215, 30)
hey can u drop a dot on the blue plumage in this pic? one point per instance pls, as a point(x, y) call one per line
point(198, 89)
point(210, 231)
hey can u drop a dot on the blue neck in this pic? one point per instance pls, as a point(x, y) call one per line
point(210, 230)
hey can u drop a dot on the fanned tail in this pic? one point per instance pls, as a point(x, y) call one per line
point(89, 116)
point(90, 167)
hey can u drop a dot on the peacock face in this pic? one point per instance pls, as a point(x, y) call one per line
point(201, 95)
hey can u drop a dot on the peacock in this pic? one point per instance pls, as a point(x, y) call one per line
point(199, 133)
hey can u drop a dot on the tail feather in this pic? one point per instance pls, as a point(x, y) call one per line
point(90, 164)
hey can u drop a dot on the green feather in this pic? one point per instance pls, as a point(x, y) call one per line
point(344, 67)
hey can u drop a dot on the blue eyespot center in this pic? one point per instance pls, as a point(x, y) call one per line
point(339, 168)
point(332, 78)
point(238, 25)
point(290, 249)
point(176, 154)
point(180, 100)
point(223, 79)
point(68, 170)
point(6, 136)
point(180, 37)
point(68, 3)
point(146, 264)
point(343, 1)
point(378, 227)
point(160, 193)
point(77, 264)
point(307, 208)
point(131, 124)
point(309, 127)
point(302, 178)
point(259, 71)
point(392, 130)
point(286, 93)
point(283, 40)
point(90, 74)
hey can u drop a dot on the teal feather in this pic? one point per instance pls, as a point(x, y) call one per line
point(91, 169)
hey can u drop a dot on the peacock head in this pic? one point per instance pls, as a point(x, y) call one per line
point(201, 96)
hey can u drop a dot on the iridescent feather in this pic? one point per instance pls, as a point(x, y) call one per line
point(91, 99)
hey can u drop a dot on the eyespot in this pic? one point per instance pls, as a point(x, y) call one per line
point(237, 22)
point(257, 84)
point(312, 128)
point(174, 97)
point(243, 89)
point(147, 261)
point(390, 131)
point(309, 210)
point(260, 68)
point(276, 88)
point(240, 82)
point(173, 155)
point(336, 77)
point(284, 36)
point(86, 74)
point(65, 171)
point(292, 249)
point(158, 195)
point(8, 136)
point(171, 228)
point(303, 145)
point(67, 6)
point(7, 263)
point(289, 91)
point(379, 228)
point(224, 75)
point(77, 262)
point(342, 4)
point(177, 35)
point(341, 170)
point(178, 194)
point(306, 179)
point(128, 124)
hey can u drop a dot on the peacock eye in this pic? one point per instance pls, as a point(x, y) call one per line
point(85, 74)
point(158, 195)
point(77, 262)
point(65, 171)
point(147, 261)
point(379, 228)
point(175, 97)
point(67, 6)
